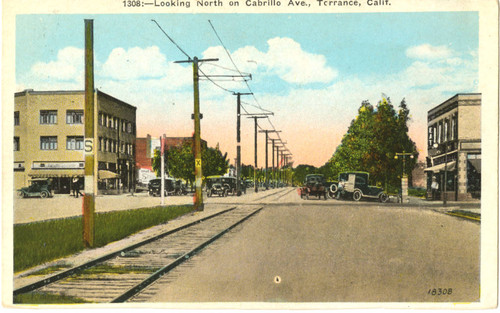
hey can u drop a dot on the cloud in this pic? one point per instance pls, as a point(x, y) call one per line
point(428, 52)
point(284, 58)
point(67, 67)
point(135, 63)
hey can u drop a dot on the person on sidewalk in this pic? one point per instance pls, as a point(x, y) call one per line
point(434, 188)
point(76, 186)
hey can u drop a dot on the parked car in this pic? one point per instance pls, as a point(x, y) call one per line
point(354, 185)
point(39, 187)
point(180, 188)
point(314, 185)
point(154, 187)
point(221, 185)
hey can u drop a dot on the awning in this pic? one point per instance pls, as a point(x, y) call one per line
point(49, 173)
point(104, 174)
point(450, 166)
point(476, 163)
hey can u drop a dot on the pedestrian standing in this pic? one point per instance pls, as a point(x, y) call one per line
point(434, 188)
point(77, 188)
point(74, 184)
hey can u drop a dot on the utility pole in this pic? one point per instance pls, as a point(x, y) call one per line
point(255, 117)
point(238, 140)
point(267, 141)
point(89, 188)
point(162, 168)
point(272, 153)
point(198, 196)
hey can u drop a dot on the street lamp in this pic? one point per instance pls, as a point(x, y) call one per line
point(404, 178)
point(435, 146)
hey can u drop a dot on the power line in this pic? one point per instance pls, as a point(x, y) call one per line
point(178, 47)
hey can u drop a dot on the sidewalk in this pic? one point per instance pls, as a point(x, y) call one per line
point(457, 208)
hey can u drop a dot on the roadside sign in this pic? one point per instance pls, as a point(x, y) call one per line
point(89, 145)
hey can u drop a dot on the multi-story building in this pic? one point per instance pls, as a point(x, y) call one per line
point(49, 137)
point(454, 147)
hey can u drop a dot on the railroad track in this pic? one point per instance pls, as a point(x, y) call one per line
point(120, 275)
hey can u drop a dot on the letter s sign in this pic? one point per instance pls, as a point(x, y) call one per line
point(89, 145)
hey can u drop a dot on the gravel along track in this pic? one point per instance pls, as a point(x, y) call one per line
point(123, 276)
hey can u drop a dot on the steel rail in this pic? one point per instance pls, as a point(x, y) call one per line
point(91, 263)
point(155, 276)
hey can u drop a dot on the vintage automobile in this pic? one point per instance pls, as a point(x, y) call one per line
point(180, 188)
point(354, 185)
point(314, 185)
point(154, 187)
point(39, 187)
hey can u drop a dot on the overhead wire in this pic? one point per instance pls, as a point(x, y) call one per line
point(219, 86)
point(248, 86)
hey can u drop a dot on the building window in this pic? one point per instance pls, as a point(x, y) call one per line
point(446, 133)
point(74, 143)
point(48, 142)
point(16, 144)
point(454, 127)
point(16, 118)
point(440, 133)
point(129, 128)
point(48, 117)
point(74, 117)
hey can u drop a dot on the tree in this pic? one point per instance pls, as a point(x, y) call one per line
point(180, 162)
point(300, 172)
point(372, 141)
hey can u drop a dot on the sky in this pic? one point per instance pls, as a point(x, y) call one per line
point(312, 71)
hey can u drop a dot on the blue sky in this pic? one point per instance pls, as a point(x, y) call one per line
point(311, 70)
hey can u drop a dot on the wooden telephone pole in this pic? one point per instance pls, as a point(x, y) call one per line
point(198, 196)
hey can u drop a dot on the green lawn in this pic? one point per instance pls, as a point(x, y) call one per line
point(39, 242)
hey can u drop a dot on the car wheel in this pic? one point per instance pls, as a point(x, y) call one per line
point(357, 195)
point(333, 189)
point(383, 197)
point(20, 194)
point(44, 194)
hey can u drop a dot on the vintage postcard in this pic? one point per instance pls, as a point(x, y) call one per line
point(250, 154)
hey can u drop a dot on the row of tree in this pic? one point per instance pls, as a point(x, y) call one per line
point(372, 140)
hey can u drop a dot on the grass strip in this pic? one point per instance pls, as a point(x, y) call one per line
point(465, 214)
point(45, 298)
point(39, 242)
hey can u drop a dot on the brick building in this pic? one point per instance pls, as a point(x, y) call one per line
point(454, 147)
point(49, 136)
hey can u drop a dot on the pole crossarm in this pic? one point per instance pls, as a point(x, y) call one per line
point(252, 115)
point(198, 60)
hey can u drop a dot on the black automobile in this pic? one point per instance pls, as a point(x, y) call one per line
point(154, 187)
point(354, 185)
point(314, 185)
point(39, 187)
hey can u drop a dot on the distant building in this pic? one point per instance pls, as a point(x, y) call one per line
point(454, 146)
point(145, 152)
point(418, 177)
point(49, 136)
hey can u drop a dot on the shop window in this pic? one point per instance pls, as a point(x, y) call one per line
point(48, 142)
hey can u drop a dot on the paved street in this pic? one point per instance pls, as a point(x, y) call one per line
point(298, 250)
point(324, 252)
